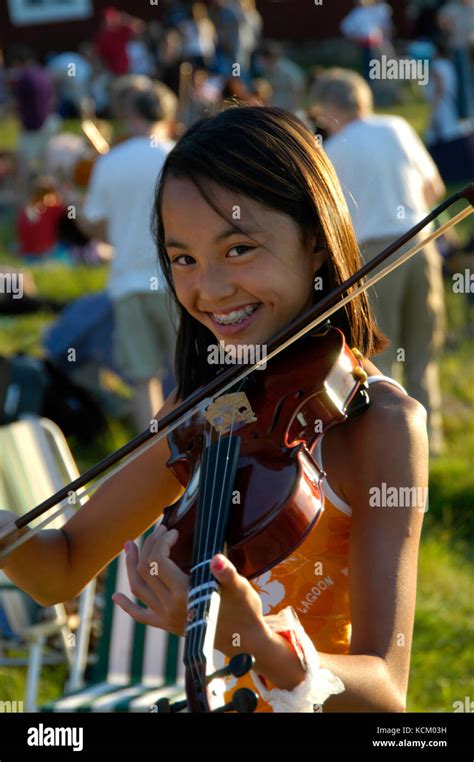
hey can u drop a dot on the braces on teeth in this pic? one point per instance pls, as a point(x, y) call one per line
point(234, 317)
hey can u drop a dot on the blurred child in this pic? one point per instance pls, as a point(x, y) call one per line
point(442, 93)
point(37, 223)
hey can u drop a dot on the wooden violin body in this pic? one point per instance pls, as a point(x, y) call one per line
point(279, 414)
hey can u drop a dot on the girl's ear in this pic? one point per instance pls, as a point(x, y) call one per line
point(319, 256)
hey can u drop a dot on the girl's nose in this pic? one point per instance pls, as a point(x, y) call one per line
point(215, 285)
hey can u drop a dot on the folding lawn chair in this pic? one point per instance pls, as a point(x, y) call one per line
point(35, 461)
point(136, 666)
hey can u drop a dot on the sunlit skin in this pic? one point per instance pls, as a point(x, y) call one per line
point(271, 266)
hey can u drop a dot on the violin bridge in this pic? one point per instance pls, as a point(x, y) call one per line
point(229, 410)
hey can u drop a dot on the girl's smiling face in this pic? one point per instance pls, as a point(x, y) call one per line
point(243, 287)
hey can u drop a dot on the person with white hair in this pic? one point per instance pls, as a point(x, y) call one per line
point(390, 182)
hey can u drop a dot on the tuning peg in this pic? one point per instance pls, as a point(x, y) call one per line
point(238, 666)
point(243, 701)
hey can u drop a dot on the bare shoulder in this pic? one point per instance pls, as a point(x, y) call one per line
point(390, 412)
point(386, 442)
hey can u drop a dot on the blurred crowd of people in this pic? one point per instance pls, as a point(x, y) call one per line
point(87, 198)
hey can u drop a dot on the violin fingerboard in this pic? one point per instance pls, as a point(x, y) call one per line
point(218, 469)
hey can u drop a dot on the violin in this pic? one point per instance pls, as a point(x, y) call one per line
point(242, 448)
point(261, 455)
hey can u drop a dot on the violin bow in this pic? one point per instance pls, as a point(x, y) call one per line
point(202, 397)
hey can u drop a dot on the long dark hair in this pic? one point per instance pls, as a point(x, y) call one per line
point(271, 156)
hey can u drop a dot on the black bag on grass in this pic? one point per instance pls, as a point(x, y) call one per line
point(31, 385)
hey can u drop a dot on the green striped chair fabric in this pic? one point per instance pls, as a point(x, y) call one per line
point(136, 665)
point(35, 461)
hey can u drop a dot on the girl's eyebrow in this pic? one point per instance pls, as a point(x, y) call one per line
point(225, 234)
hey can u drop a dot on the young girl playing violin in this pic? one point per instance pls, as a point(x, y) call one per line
point(249, 217)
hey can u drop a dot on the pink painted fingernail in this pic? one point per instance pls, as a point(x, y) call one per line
point(218, 564)
point(127, 547)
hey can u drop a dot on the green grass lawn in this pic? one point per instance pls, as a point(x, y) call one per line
point(442, 662)
point(442, 669)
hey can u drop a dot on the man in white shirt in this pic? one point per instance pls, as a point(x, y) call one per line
point(390, 182)
point(118, 208)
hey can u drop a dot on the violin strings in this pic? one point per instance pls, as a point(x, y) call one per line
point(198, 574)
point(198, 635)
point(197, 580)
point(209, 549)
